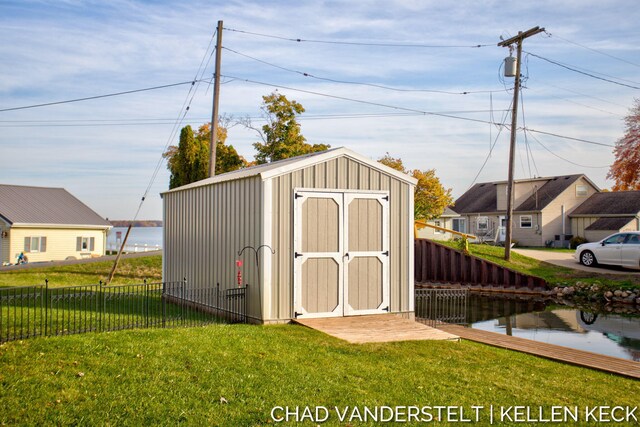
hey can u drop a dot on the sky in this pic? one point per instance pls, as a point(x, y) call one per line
point(420, 80)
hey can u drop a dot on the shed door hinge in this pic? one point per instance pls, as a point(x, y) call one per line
point(298, 195)
point(386, 253)
point(386, 309)
point(297, 254)
point(386, 198)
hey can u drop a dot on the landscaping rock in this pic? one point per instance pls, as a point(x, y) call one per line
point(617, 292)
point(608, 294)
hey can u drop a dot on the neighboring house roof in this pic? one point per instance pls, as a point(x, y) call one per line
point(609, 223)
point(449, 213)
point(281, 167)
point(619, 203)
point(479, 198)
point(22, 205)
point(548, 193)
point(482, 197)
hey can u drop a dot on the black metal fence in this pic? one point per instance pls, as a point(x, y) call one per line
point(436, 306)
point(33, 311)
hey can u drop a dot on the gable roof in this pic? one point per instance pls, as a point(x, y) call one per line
point(619, 203)
point(479, 198)
point(22, 205)
point(609, 223)
point(281, 167)
point(548, 193)
point(482, 197)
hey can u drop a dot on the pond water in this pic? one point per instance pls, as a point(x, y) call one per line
point(605, 333)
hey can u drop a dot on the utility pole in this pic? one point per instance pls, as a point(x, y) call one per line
point(514, 123)
point(214, 111)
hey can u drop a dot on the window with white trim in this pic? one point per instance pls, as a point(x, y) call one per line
point(581, 190)
point(459, 225)
point(85, 244)
point(437, 223)
point(34, 244)
point(526, 221)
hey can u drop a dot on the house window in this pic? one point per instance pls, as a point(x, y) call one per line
point(35, 244)
point(526, 221)
point(482, 223)
point(437, 223)
point(581, 190)
point(84, 244)
point(459, 225)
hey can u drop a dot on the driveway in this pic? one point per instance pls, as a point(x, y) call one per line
point(565, 259)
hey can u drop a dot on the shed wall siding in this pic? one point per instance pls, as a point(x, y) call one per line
point(207, 226)
point(339, 174)
point(61, 243)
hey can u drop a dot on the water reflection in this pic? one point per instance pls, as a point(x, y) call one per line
point(604, 333)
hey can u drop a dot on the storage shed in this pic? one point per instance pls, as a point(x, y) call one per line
point(340, 226)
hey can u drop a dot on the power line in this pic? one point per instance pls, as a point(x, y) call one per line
point(402, 45)
point(568, 137)
point(360, 101)
point(583, 72)
point(163, 122)
point(413, 110)
point(565, 159)
point(305, 74)
point(593, 50)
point(582, 105)
point(88, 98)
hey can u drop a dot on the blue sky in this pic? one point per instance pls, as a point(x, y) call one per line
point(105, 151)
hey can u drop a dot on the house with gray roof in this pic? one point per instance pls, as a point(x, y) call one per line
point(48, 224)
point(541, 209)
point(606, 213)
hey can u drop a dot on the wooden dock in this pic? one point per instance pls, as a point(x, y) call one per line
point(614, 365)
point(375, 328)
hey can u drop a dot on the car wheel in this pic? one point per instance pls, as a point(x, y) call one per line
point(588, 258)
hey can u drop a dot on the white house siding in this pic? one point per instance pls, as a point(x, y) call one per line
point(340, 174)
point(61, 243)
point(205, 227)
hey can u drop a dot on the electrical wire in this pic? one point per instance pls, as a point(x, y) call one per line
point(88, 98)
point(589, 74)
point(568, 137)
point(179, 120)
point(593, 50)
point(402, 45)
point(495, 141)
point(413, 110)
point(565, 159)
point(305, 74)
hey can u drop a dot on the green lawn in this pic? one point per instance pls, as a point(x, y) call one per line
point(551, 273)
point(234, 375)
point(132, 270)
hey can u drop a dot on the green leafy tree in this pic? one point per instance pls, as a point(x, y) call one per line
point(281, 136)
point(189, 161)
point(625, 170)
point(430, 197)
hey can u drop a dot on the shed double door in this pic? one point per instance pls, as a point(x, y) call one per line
point(341, 258)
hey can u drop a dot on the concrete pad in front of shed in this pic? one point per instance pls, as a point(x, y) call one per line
point(375, 328)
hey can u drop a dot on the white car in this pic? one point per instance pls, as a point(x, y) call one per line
point(621, 249)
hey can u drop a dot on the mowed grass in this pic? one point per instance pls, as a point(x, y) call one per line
point(130, 271)
point(223, 375)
